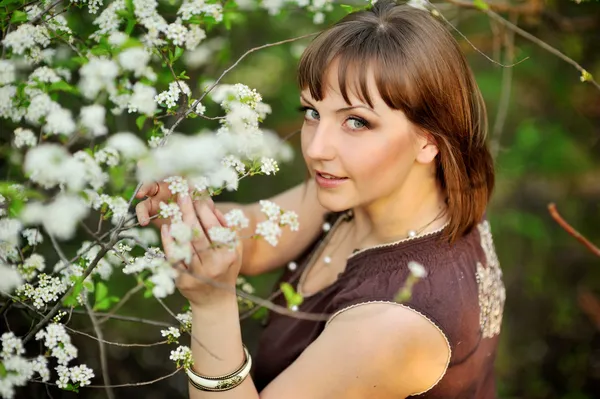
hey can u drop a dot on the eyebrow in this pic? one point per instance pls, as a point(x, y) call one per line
point(344, 109)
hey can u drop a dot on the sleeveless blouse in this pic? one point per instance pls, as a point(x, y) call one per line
point(462, 295)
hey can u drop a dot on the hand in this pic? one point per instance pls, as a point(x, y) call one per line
point(220, 265)
point(156, 193)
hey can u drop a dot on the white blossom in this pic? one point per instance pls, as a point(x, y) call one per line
point(142, 99)
point(10, 230)
point(194, 36)
point(164, 281)
point(108, 156)
point(181, 232)
point(419, 4)
point(40, 106)
point(185, 319)
point(46, 290)
point(92, 118)
point(271, 209)
point(108, 21)
point(24, 138)
point(128, 144)
point(27, 37)
point(97, 75)
point(10, 280)
point(190, 8)
point(93, 5)
point(7, 72)
point(177, 33)
point(270, 231)
point(234, 162)
point(117, 38)
point(177, 185)
point(60, 121)
point(32, 265)
point(50, 165)
point(81, 375)
point(60, 217)
point(134, 59)
point(290, 218)
point(170, 211)
point(7, 107)
point(171, 332)
point(222, 235)
point(417, 269)
point(268, 166)
point(182, 356)
point(33, 236)
point(236, 219)
point(43, 74)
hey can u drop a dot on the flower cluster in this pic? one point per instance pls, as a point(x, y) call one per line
point(169, 98)
point(18, 370)
point(182, 356)
point(58, 343)
point(271, 228)
point(46, 290)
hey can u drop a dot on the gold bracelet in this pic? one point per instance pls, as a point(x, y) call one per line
point(224, 382)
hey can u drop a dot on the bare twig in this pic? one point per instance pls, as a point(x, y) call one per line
point(149, 322)
point(103, 364)
point(192, 108)
point(40, 15)
point(122, 302)
point(116, 343)
point(133, 384)
point(528, 36)
point(504, 102)
point(569, 229)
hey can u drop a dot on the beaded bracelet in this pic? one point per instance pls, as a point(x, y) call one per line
point(224, 382)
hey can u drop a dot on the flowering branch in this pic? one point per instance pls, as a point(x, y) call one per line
point(103, 364)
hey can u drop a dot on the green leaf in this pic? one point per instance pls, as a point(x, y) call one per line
point(481, 4)
point(291, 296)
point(18, 16)
point(61, 85)
point(130, 26)
point(2, 370)
point(7, 2)
point(71, 299)
point(106, 303)
point(101, 291)
point(140, 121)
point(348, 8)
point(178, 53)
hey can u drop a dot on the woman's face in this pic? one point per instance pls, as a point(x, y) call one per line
point(375, 149)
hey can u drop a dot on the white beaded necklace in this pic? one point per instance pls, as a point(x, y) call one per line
point(327, 228)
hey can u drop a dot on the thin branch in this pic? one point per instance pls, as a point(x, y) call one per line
point(122, 302)
point(58, 250)
point(149, 322)
point(57, 306)
point(133, 384)
point(529, 37)
point(192, 108)
point(116, 343)
point(502, 112)
point(103, 364)
point(569, 229)
point(38, 17)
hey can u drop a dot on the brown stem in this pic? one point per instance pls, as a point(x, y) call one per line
point(103, 364)
point(569, 229)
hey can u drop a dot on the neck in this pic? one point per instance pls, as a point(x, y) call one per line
point(391, 219)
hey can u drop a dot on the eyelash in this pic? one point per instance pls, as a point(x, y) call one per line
point(364, 122)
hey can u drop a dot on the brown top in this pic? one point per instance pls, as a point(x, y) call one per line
point(463, 295)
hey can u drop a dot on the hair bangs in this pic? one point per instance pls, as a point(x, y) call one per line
point(359, 56)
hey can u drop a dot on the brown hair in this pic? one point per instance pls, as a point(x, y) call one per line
point(419, 69)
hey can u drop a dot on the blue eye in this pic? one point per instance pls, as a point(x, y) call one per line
point(356, 124)
point(309, 113)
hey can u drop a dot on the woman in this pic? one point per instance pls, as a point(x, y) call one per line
point(394, 140)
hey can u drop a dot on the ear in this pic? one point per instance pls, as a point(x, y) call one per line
point(428, 148)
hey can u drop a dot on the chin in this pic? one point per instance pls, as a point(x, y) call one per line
point(332, 203)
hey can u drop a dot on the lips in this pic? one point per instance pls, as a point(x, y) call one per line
point(329, 175)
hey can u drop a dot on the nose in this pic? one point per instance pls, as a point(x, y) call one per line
point(321, 142)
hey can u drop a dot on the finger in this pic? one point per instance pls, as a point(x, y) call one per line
point(142, 212)
point(147, 188)
point(167, 240)
point(206, 215)
point(221, 217)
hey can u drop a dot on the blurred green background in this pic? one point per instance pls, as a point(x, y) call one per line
point(548, 150)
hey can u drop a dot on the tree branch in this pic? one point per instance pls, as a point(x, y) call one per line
point(569, 229)
point(103, 364)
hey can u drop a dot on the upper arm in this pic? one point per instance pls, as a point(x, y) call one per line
point(262, 256)
point(381, 350)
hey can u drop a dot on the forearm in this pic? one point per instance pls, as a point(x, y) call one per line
point(217, 347)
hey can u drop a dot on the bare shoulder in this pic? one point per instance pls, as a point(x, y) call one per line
point(303, 200)
point(382, 350)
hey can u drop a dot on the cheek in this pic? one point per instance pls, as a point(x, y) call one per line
point(384, 163)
